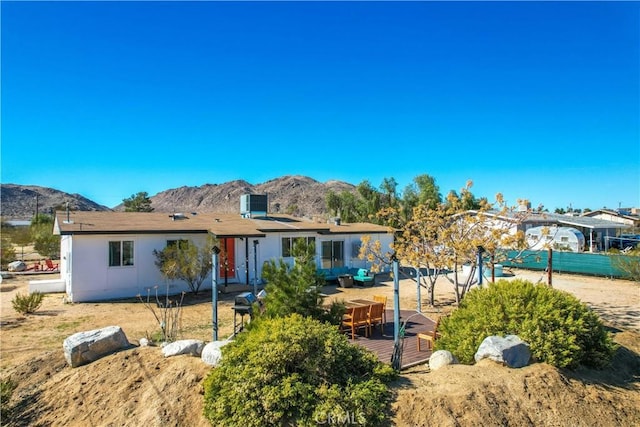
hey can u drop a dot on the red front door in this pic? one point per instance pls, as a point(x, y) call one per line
point(228, 259)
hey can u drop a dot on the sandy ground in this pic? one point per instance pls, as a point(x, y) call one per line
point(139, 386)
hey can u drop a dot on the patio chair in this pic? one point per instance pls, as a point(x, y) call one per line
point(376, 317)
point(50, 265)
point(430, 337)
point(383, 300)
point(357, 318)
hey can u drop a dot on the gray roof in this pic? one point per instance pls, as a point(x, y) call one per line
point(575, 221)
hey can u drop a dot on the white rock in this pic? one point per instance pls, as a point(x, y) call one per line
point(441, 358)
point(17, 266)
point(212, 352)
point(86, 347)
point(510, 350)
point(192, 347)
point(144, 342)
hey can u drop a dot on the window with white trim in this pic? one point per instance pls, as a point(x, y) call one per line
point(288, 242)
point(120, 253)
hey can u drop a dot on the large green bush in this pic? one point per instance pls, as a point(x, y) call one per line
point(296, 371)
point(559, 328)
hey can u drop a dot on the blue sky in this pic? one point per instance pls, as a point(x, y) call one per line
point(534, 100)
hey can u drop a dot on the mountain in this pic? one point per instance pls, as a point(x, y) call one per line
point(22, 201)
point(296, 195)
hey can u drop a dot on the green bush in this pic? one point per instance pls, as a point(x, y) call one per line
point(296, 371)
point(28, 303)
point(6, 391)
point(559, 328)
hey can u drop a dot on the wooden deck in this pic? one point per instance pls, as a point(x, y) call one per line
point(382, 345)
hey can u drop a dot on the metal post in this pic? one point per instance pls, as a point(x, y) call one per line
point(396, 303)
point(214, 291)
point(493, 268)
point(418, 290)
point(549, 266)
point(255, 267)
point(480, 250)
point(246, 258)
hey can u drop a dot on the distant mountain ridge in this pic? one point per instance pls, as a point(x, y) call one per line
point(292, 194)
point(22, 201)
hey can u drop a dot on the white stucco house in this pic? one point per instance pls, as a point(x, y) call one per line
point(109, 255)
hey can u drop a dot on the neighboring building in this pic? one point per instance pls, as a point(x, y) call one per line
point(596, 231)
point(626, 217)
point(109, 255)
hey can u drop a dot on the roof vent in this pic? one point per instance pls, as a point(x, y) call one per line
point(177, 216)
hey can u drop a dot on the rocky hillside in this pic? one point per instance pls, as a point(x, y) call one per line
point(297, 195)
point(21, 201)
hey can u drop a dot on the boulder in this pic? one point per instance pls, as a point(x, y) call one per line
point(510, 350)
point(441, 358)
point(17, 266)
point(212, 352)
point(144, 342)
point(86, 347)
point(192, 347)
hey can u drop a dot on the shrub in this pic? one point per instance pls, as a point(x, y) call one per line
point(6, 391)
point(297, 288)
point(296, 371)
point(559, 328)
point(27, 303)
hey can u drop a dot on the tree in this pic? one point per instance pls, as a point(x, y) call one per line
point(428, 191)
point(139, 202)
point(444, 238)
point(389, 188)
point(369, 202)
point(628, 263)
point(44, 241)
point(186, 261)
point(7, 253)
point(332, 200)
point(297, 289)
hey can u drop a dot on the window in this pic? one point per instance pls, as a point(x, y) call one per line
point(180, 243)
point(288, 242)
point(355, 249)
point(121, 253)
point(332, 254)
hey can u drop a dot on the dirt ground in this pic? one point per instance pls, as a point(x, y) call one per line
point(140, 387)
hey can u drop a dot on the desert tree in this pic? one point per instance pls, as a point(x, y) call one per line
point(443, 238)
point(139, 202)
point(297, 288)
point(7, 252)
point(332, 201)
point(389, 187)
point(369, 202)
point(184, 260)
point(45, 242)
point(628, 263)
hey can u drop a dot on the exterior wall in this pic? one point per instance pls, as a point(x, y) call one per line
point(85, 258)
point(93, 280)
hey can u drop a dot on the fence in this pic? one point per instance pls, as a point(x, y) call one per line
point(571, 262)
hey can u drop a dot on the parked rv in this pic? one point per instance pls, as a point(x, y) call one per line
point(558, 238)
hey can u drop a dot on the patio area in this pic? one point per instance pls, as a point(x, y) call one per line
point(382, 345)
